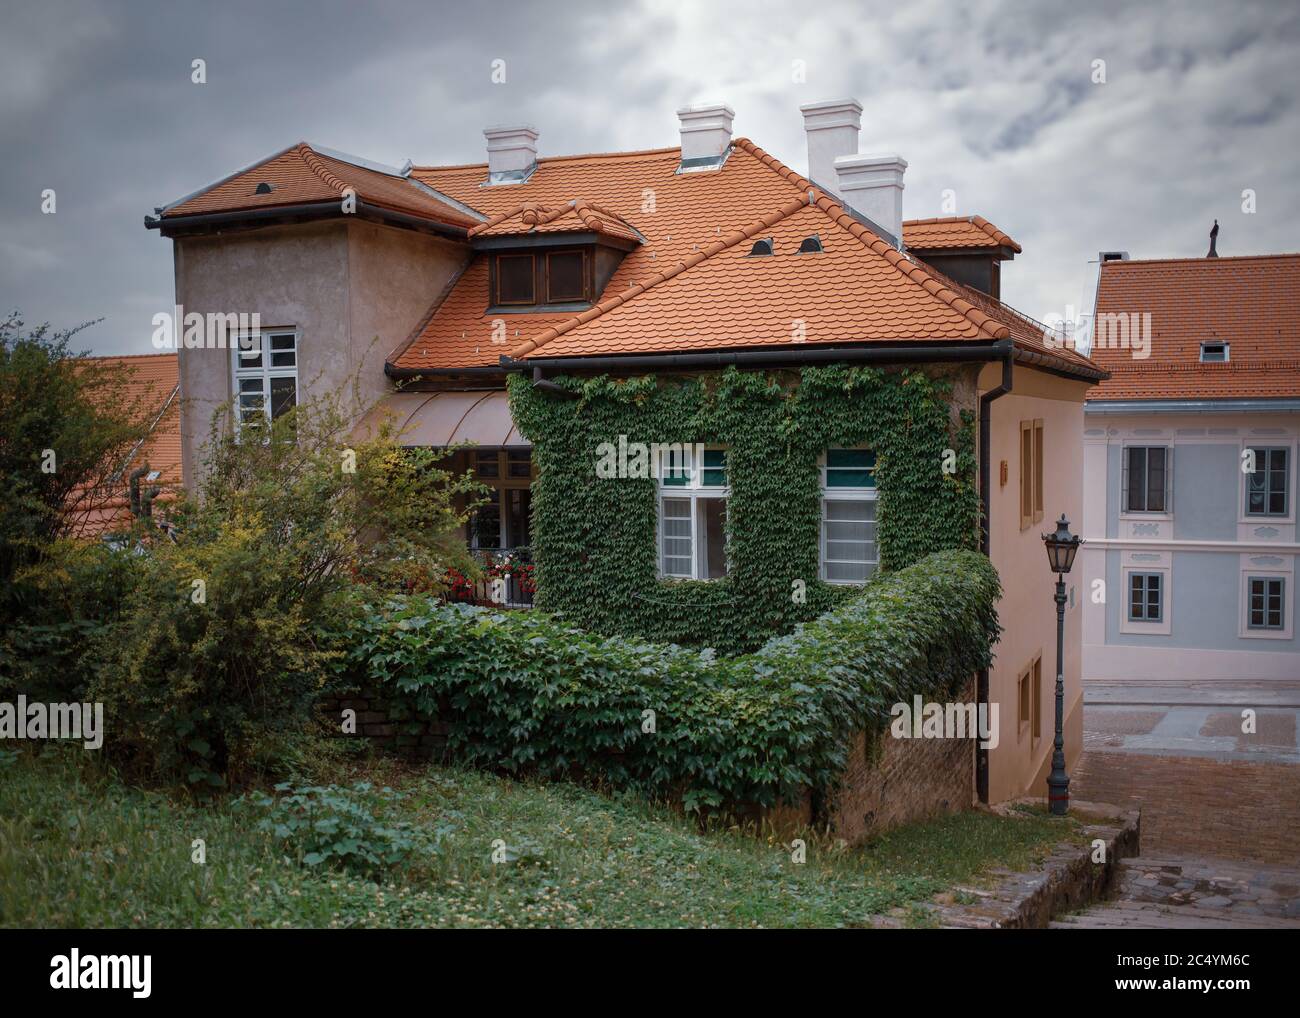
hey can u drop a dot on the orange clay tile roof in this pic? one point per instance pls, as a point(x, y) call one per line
point(300, 175)
point(1252, 303)
point(576, 216)
point(155, 377)
point(692, 285)
point(954, 232)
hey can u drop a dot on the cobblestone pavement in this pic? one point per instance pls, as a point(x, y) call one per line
point(1181, 893)
point(1220, 841)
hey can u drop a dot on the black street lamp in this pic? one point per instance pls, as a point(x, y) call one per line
point(1061, 547)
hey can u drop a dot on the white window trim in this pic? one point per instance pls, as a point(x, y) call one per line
point(693, 491)
point(1284, 572)
point(265, 372)
point(1242, 476)
point(843, 495)
point(1138, 515)
point(1142, 627)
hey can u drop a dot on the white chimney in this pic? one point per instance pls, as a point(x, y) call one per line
point(512, 153)
point(832, 127)
point(706, 135)
point(873, 187)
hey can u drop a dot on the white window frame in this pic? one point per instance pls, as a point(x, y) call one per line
point(1147, 562)
point(1255, 570)
point(844, 495)
point(265, 371)
point(694, 491)
point(1243, 484)
point(1125, 513)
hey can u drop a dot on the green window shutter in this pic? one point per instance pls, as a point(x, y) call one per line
point(850, 468)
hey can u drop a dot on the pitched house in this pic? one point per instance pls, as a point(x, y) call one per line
point(680, 263)
point(1190, 469)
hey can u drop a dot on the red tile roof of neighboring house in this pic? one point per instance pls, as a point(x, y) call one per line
point(155, 378)
point(692, 284)
point(954, 232)
point(1252, 303)
point(301, 176)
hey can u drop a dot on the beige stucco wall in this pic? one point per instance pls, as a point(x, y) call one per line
point(1027, 609)
point(353, 290)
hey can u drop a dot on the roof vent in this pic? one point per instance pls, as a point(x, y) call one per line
point(761, 247)
point(811, 245)
point(1214, 352)
point(263, 188)
point(1112, 256)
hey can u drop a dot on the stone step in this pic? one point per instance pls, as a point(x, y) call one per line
point(1151, 916)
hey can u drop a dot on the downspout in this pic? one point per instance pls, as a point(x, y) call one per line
point(986, 445)
point(539, 382)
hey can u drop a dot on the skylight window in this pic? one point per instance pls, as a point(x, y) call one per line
point(761, 248)
point(1214, 353)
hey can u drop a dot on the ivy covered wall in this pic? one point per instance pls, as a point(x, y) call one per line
point(594, 538)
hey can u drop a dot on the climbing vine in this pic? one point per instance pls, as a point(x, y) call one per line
point(594, 539)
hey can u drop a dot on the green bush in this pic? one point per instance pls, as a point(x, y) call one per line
point(525, 692)
point(229, 633)
point(332, 825)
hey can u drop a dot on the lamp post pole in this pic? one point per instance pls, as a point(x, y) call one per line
point(1061, 547)
point(1058, 782)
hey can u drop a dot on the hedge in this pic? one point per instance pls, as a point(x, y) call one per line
point(527, 693)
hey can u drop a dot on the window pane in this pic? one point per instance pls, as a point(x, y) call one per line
point(485, 527)
point(713, 531)
point(515, 279)
point(848, 540)
point(282, 351)
point(675, 465)
point(1137, 479)
point(1155, 480)
point(284, 395)
point(850, 468)
point(565, 276)
point(675, 529)
point(715, 468)
point(247, 385)
point(519, 463)
point(487, 464)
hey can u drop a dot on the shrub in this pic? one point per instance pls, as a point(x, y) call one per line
point(525, 692)
point(230, 631)
point(331, 825)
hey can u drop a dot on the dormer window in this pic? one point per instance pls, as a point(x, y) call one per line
point(1214, 353)
point(762, 247)
point(516, 279)
point(542, 277)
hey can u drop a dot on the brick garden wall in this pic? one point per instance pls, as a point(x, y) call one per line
point(886, 783)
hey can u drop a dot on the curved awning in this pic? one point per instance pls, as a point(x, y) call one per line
point(441, 419)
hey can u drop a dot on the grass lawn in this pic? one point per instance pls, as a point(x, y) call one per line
point(80, 849)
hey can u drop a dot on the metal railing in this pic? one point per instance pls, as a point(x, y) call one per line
point(507, 580)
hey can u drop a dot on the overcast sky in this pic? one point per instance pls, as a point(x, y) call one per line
point(993, 100)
